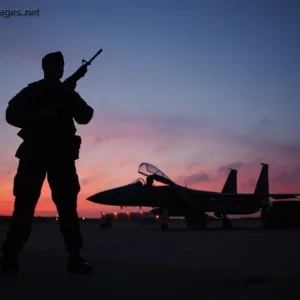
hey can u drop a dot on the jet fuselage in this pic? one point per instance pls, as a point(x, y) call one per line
point(172, 197)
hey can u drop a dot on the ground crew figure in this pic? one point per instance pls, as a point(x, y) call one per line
point(45, 111)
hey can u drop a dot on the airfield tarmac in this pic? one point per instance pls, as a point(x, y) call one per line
point(142, 262)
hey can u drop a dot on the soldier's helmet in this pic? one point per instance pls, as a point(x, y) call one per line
point(51, 59)
point(53, 64)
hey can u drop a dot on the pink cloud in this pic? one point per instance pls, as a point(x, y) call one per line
point(192, 179)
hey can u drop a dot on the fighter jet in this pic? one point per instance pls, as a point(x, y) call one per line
point(230, 187)
point(194, 203)
point(147, 169)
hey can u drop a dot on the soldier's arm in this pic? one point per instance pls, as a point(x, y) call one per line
point(19, 111)
point(82, 112)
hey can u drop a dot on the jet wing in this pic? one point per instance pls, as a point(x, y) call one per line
point(285, 196)
point(241, 196)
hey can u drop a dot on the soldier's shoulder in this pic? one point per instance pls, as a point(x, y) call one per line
point(30, 89)
point(36, 84)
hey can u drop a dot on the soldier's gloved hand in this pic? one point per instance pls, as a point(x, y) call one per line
point(82, 70)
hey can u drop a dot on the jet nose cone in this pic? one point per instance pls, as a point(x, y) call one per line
point(99, 198)
point(91, 198)
point(124, 195)
point(108, 197)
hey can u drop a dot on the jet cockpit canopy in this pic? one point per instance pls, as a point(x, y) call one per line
point(150, 170)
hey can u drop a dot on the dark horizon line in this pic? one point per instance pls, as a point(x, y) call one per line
point(89, 218)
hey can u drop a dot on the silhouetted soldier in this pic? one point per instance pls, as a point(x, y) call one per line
point(44, 111)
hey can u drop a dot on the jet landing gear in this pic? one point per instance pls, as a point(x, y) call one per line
point(200, 222)
point(164, 218)
point(196, 219)
point(226, 222)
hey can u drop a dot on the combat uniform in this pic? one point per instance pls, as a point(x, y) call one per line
point(50, 147)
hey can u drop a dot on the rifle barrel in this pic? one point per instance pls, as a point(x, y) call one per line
point(90, 61)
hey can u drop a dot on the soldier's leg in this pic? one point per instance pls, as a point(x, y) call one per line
point(28, 182)
point(64, 184)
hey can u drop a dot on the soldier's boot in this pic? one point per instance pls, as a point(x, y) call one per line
point(77, 264)
point(9, 264)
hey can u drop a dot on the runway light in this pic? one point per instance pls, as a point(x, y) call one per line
point(156, 217)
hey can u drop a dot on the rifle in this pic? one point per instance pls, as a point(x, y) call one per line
point(80, 72)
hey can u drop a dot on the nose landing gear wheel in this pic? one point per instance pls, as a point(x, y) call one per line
point(164, 226)
point(200, 224)
point(227, 223)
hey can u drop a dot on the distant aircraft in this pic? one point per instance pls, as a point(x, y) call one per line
point(194, 203)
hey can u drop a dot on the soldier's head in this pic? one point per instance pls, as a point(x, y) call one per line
point(53, 65)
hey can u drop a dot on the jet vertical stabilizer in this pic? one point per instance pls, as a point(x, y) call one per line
point(230, 185)
point(262, 185)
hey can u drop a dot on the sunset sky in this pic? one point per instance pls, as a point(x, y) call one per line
point(189, 86)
